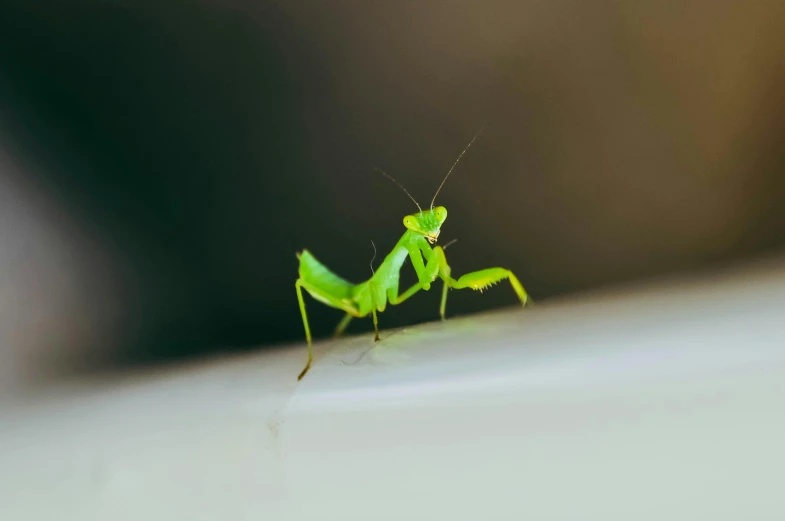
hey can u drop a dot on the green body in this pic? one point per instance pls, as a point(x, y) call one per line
point(359, 300)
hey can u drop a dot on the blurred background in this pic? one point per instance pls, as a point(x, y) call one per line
point(160, 166)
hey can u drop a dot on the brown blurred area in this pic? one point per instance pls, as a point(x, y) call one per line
point(166, 163)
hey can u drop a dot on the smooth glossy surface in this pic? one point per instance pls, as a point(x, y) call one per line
point(665, 402)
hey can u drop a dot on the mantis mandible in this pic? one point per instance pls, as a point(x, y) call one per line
point(372, 296)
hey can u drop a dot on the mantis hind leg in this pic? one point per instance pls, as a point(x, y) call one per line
point(298, 287)
point(331, 300)
point(375, 327)
point(341, 327)
point(476, 280)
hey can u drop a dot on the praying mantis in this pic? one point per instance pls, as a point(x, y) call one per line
point(372, 296)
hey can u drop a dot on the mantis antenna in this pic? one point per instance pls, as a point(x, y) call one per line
point(374, 257)
point(391, 178)
point(453, 166)
point(449, 244)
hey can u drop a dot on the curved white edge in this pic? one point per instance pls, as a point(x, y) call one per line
point(660, 403)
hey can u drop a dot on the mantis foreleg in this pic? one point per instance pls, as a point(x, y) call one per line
point(426, 273)
point(477, 280)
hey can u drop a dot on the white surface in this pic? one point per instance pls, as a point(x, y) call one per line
point(666, 403)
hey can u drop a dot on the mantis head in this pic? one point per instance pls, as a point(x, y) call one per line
point(427, 223)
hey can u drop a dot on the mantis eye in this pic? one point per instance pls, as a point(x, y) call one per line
point(441, 212)
point(408, 221)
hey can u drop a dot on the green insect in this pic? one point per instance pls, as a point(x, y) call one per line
point(358, 300)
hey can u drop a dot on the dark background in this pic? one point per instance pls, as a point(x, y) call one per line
point(160, 165)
